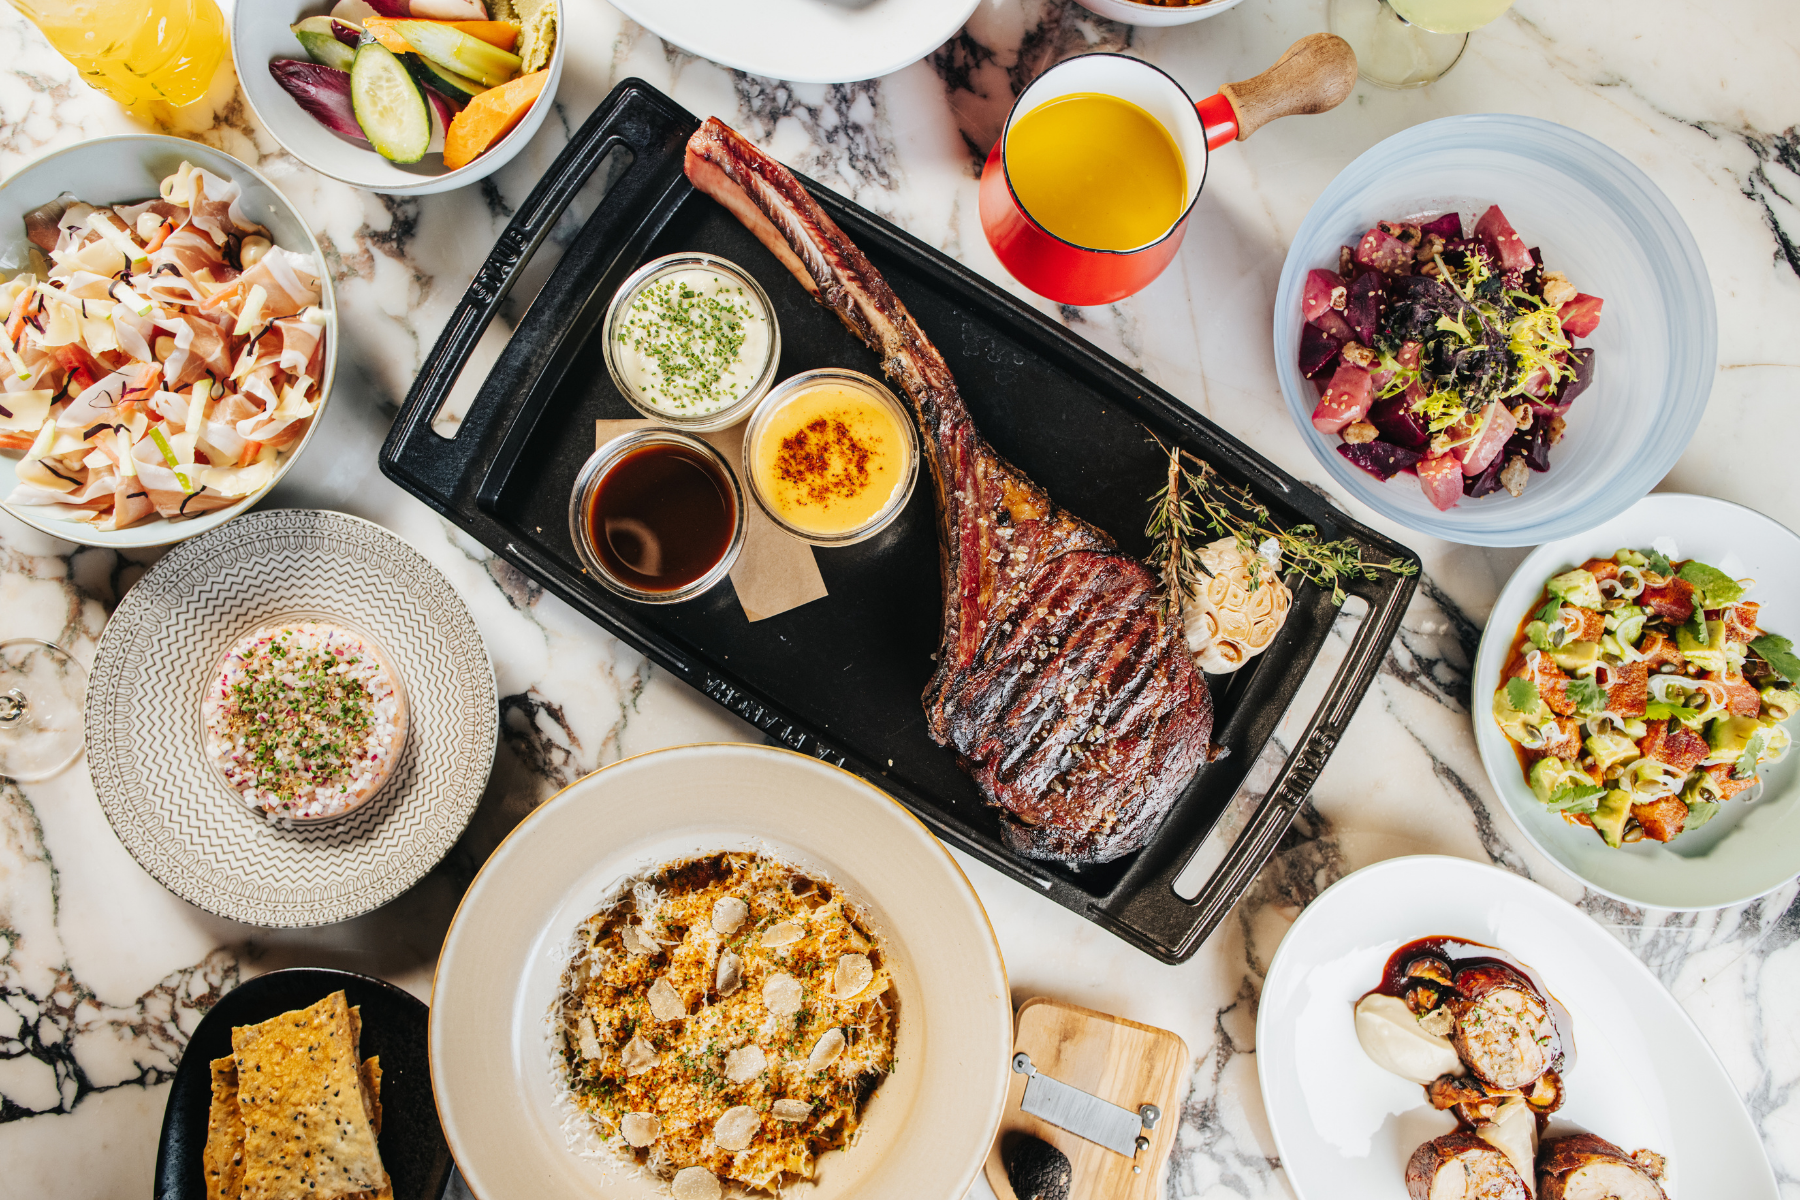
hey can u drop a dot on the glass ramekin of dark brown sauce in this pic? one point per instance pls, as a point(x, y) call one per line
point(657, 516)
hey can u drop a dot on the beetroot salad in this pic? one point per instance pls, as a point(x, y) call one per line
point(1445, 356)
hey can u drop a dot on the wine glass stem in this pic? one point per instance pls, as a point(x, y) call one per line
point(13, 707)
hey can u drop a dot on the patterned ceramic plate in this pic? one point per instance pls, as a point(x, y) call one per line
point(172, 808)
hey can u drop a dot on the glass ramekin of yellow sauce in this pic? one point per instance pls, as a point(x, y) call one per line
point(691, 341)
point(831, 456)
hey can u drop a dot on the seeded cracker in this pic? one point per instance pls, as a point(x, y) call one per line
point(307, 1132)
point(537, 33)
point(223, 1158)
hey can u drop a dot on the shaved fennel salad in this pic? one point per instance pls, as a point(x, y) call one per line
point(160, 358)
point(1642, 695)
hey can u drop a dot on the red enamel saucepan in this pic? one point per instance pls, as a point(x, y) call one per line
point(1316, 74)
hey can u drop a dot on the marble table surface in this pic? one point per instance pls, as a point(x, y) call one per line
point(103, 974)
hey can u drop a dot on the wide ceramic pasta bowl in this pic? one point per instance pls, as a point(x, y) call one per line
point(1749, 848)
point(927, 1127)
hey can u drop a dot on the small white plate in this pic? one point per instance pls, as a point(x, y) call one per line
point(1134, 12)
point(1643, 1076)
point(805, 41)
point(928, 1126)
point(146, 751)
point(1748, 849)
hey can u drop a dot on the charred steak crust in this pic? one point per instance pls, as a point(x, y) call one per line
point(1069, 697)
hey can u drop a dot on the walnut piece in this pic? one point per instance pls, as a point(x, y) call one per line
point(1359, 354)
point(1558, 291)
point(1514, 475)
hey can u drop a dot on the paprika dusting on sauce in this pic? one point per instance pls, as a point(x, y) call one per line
point(828, 458)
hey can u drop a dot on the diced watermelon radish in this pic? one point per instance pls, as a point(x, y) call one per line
point(1383, 252)
point(1317, 349)
point(1580, 315)
point(1497, 424)
point(1345, 400)
point(1497, 231)
point(1447, 226)
point(1320, 285)
point(1441, 478)
point(1383, 460)
point(1332, 322)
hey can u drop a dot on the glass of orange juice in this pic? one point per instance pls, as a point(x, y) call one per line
point(152, 56)
point(1409, 43)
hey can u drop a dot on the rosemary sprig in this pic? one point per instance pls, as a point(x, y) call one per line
point(1231, 511)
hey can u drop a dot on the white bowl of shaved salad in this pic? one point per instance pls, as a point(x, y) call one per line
point(1634, 698)
point(170, 340)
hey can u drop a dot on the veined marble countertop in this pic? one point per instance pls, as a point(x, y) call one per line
point(103, 973)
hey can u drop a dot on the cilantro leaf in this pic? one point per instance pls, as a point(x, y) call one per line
point(1778, 652)
point(1716, 588)
point(1588, 696)
point(1656, 710)
point(1550, 611)
point(1696, 627)
point(1659, 564)
point(1746, 763)
point(1575, 797)
point(1522, 694)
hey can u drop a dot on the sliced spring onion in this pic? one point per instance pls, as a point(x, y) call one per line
point(124, 294)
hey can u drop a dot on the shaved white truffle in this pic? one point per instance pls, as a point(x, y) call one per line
point(635, 942)
point(728, 913)
point(792, 1110)
point(586, 1041)
point(825, 1050)
point(729, 976)
point(638, 1056)
point(745, 1063)
point(852, 975)
point(781, 993)
point(696, 1183)
point(783, 933)
point(666, 1003)
point(640, 1129)
point(736, 1127)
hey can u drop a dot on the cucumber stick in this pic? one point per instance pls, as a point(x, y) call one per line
point(458, 89)
point(322, 45)
point(388, 103)
point(452, 48)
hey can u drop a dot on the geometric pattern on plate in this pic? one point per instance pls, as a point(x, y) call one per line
point(168, 803)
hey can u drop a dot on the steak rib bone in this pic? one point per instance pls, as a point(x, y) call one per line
point(1070, 698)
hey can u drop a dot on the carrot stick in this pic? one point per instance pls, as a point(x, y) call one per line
point(159, 237)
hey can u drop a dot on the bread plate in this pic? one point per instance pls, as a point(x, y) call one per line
point(1750, 848)
point(393, 1028)
point(927, 1127)
point(1643, 1074)
point(146, 744)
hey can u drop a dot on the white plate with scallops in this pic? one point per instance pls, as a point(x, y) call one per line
point(1641, 1075)
point(497, 1046)
point(1751, 847)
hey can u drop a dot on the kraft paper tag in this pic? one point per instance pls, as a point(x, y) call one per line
point(774, 572)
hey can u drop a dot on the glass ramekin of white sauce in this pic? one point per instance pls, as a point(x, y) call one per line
point(692, 341)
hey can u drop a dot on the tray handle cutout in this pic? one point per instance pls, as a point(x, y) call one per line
point(1169, 924)
point(442, 427)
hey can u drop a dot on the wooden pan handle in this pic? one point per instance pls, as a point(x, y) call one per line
point(1314, 76)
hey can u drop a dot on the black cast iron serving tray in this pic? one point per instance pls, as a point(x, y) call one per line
point(841, 677)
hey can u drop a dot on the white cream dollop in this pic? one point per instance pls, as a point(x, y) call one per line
point(1390, 1035)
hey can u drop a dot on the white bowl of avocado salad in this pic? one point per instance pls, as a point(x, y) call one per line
point(1633, 698)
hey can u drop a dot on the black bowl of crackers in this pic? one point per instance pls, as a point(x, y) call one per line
point(305, 1084)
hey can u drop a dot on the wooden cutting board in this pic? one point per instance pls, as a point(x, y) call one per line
point(1117, 1060)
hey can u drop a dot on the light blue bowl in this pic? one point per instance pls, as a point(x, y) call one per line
point(1602, 223)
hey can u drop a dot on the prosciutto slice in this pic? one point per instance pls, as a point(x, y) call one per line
point(1068, 696)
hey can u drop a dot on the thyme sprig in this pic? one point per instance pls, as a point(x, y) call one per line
point(1195, 498)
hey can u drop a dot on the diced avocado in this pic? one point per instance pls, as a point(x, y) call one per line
point(1578, 587)
point(1539, 635)
point(1576, 655)
point(1610, 814)
point(1779, 703)
point(1630, 626)
point(1630, 558)
point(1708, 656)
point(1699, 813)
point(1548, 774)
point(1611, 748)
point(1513, 721)
point(1729, 735)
